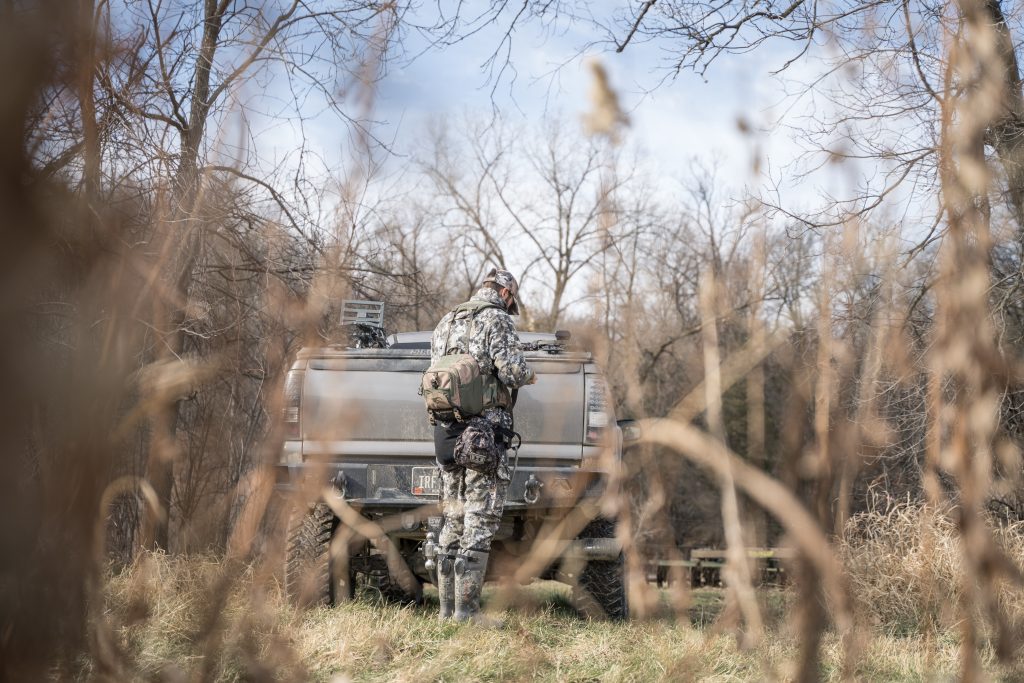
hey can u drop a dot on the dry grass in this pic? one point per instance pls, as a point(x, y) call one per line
point(905, 567)
point(907, 573)
point(159, 615)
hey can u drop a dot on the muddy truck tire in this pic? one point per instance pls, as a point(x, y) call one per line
point(376, 579)
point(600, 592)
point(392, 592)
point(308, 575)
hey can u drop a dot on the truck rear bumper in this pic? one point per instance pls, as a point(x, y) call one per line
point(390, 485)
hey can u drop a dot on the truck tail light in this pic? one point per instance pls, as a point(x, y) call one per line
point(597, 410)
point(292, 403)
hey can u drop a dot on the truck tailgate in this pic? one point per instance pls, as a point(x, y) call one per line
point(368, 408)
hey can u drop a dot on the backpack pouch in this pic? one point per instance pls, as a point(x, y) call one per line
point(477, 448)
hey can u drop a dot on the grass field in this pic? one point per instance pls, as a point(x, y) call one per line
point(168, 619)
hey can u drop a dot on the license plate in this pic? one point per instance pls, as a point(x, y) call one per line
point(425, 481)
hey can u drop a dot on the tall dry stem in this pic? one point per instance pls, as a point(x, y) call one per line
point(737, 569)
point(965, 362)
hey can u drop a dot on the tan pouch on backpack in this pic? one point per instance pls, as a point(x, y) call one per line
point(454, 388)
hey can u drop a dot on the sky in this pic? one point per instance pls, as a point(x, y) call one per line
point(682, 119)
point(673, 121)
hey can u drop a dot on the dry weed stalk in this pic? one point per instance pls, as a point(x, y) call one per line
point(737, 570)
point(965, 358)
point(803, 529)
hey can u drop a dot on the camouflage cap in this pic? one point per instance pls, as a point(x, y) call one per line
point(505, 279)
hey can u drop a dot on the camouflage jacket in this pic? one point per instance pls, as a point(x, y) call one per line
point(492, 342)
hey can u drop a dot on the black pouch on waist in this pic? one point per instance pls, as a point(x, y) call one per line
point(444, 443)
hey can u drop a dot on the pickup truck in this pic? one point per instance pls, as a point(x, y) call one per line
point(357, 429)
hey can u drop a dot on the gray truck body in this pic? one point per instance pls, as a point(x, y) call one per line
point(363, 427)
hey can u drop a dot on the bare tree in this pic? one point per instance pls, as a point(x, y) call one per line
point(548, 209)
point(145, 115)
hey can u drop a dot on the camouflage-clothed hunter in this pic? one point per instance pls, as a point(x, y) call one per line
point(473, 501)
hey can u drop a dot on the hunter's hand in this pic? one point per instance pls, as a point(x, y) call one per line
point(532, 380)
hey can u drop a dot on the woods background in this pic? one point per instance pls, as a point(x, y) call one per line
point(160, 267)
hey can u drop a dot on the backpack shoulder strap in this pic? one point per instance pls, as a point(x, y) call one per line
point(473, 307)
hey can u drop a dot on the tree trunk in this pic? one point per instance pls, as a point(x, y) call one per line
point(1006, 134)
point(184, 243)
point(86, 64)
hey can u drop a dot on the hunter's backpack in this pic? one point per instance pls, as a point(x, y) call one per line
point(454, 389)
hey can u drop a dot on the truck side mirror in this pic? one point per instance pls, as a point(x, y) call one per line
point(630, 432)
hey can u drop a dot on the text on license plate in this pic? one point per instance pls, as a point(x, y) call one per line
point(425, 481)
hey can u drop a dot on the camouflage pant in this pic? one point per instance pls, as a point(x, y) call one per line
point(472, 503)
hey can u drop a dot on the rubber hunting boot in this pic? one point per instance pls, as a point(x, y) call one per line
point(470, 567)
point(446, 586)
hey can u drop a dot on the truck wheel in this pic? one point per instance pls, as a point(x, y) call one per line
point(379, 579)
point(601, 590)
point(393, 593)
point(307, 566)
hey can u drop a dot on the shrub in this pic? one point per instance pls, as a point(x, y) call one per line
point(906, 567)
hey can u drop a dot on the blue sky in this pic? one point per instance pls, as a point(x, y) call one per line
point(679, 120)
point(674, 121)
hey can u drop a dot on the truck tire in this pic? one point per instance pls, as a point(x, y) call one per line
point(392, 592)
point(379, 580)
point(308, 575)
point(601, 591)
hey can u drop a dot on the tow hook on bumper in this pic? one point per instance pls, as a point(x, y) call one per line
point(340, 483)
point(532, 492)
